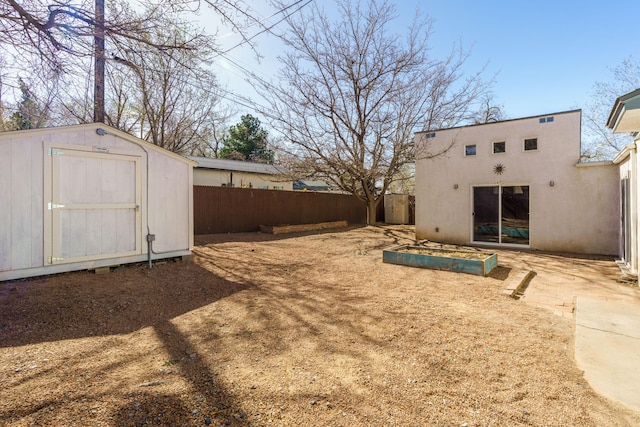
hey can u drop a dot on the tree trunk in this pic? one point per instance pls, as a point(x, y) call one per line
point(372, 207)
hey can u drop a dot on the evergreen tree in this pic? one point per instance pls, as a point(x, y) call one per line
point(26, 116)
point(247, 141)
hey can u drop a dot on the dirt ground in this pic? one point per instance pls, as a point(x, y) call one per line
point(290, 330)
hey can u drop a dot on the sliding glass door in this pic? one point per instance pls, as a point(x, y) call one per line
point(501, 214)
point(486, 218)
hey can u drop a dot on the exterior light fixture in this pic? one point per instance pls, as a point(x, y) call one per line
point(552, 183)
point(455, 186)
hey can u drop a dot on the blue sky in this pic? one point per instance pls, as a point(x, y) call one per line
point(546, 55)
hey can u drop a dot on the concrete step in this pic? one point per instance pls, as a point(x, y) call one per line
point(518, 283)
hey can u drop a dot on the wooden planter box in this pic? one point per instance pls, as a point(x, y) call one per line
point(461, 261)
point(284, 229)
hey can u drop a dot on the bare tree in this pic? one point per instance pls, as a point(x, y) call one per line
point(161, 101)
point(123, 110)
point(59, 29)
point(600, 143)
point(351, 95)
point(489, 111)
point(4, 118)
point(28, 103)
point(174, 99)
point(63, 33)
point(66, 34)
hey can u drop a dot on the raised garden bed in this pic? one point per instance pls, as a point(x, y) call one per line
point(462, 261)
point(297, 228)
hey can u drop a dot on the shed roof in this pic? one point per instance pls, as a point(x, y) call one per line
point(625, 114)
point(100, 129)
point(235, 165)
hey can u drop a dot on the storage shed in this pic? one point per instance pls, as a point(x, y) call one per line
point(89, 196)
point(396, 208)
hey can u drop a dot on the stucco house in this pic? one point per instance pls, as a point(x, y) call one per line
point(625, 118)
point(517, 183)
point(90, 196)
point(234, 173)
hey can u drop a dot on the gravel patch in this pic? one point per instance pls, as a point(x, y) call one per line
point(290, 330)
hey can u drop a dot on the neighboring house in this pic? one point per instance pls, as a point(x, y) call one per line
point(625, 118)
point(517, 183)
point(306, 185)
point(234, 173)
point(89, 196)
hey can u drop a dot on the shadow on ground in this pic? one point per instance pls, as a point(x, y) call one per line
point(131, 297)
point(42, 312)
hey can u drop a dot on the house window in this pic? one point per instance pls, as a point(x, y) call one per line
point(499, 147)
point(431, 135)
point(470, 150)
point(546, 119)
point(531, 144)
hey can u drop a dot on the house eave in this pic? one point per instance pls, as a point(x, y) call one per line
point(625, 114)
point(207, 163)
point(624, 153)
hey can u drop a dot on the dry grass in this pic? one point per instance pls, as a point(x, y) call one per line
point(303, 330)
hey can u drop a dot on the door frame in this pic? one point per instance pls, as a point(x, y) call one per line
point(472, 211)
point(52, 238)
point(625, 220)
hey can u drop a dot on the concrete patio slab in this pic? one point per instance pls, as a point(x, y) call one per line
point(607, 347)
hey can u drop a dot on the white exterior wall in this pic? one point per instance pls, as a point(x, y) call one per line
point(628, 169)
point(579, 213)
point(216, 178)
point(28, 228)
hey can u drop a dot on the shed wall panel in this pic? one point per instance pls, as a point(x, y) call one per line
point(21, 202)
point(169, 193)
point(5, 211)
point(36, 192)
point(21, 206)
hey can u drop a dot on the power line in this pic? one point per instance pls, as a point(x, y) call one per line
point(267, 29)
point(228, 94)
point(260, 21)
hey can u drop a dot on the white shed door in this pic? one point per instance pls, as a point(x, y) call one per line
point(95, 205)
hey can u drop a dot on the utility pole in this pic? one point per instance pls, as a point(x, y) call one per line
point(99, 59)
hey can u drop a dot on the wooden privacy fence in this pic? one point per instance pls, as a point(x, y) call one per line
point(232, 210)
